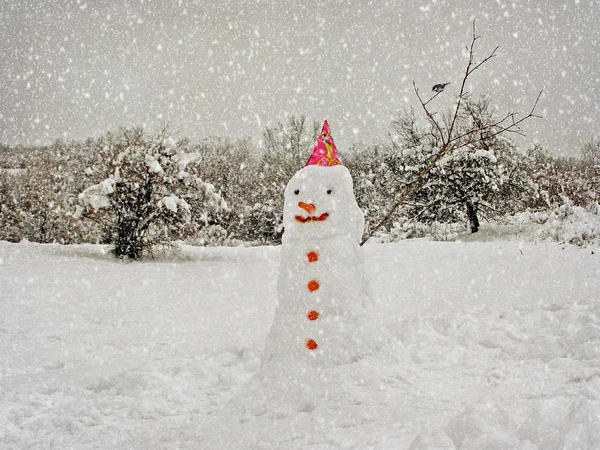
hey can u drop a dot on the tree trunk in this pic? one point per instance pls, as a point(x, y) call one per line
point(472, 214)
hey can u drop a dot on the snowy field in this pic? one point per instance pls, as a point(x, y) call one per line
point(491, 345)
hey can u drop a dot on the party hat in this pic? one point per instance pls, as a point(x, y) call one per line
point(325, 153)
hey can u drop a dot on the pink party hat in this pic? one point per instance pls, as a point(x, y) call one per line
point(325, 153)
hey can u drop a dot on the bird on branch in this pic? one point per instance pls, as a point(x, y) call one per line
point(437, 88)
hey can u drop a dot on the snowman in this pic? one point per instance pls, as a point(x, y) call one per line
point(321, 287)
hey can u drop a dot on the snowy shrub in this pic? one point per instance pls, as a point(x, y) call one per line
point(404, 228)
point(373, 190)
point(590, 158)
point(564, 224)
point(142, 196)
point(11, 224)
point(233, 168)
point(37, 201)
point(260, 223)
point(557, 180)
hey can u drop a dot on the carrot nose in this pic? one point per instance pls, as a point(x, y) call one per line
point(308, 207)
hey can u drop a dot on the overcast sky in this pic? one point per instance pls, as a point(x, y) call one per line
point(73, 69)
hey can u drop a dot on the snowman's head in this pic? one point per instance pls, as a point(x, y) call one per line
point(319, 203)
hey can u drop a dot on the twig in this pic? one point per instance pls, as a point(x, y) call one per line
point(435, 95)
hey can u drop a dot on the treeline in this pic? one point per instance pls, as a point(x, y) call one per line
point(136, 190)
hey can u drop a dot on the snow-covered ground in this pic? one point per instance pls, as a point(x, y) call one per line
point(491, 345)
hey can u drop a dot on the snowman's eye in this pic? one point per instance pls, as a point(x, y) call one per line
point(297, 191)
point(329, 191)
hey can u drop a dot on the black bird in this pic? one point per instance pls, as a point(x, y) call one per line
point(437, 88)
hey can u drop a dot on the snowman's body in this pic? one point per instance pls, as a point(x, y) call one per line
point(321, 286)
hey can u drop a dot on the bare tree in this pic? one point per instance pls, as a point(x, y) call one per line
point(449, 135)
point(288, 145)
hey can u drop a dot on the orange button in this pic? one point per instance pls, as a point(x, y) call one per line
point(313, 285)
point(312, 257)
point(312, 315)
point(311, 344)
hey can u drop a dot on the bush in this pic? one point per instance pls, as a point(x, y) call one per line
point(143, 198)
point(140, 192)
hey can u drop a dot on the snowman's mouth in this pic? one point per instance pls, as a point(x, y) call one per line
point(320, 218)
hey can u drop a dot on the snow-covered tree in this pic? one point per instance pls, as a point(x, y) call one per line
point(481, 175)
point(142, 196)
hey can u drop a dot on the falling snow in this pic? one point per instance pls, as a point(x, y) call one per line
point(73, 70)
point(491, 341)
